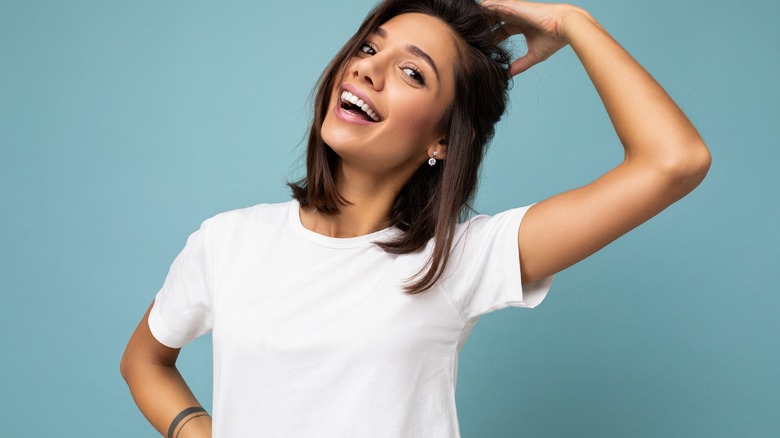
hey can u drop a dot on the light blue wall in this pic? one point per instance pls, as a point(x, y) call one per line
point(124, 125)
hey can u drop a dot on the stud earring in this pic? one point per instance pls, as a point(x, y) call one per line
point(432, 160)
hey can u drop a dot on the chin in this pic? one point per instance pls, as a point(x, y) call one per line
point(338, 136)
point(329, 135)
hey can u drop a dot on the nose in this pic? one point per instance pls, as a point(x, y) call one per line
point(369, 69)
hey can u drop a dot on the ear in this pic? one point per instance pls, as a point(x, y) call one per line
point(440, 146)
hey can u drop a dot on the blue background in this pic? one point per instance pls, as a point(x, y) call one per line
point(124, 124)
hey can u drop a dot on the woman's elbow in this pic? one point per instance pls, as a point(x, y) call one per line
point(696, 165)
point(686, 170)
point(125, 366)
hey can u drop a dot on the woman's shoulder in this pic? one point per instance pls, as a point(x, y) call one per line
point(482, 221)
point(250, 216)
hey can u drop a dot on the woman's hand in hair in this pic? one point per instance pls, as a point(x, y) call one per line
point(541, 24)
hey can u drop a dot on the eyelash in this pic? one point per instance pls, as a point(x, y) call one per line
point(416, 75)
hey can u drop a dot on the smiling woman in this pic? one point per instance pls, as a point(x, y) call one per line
point(342, 312)
point(443, 81)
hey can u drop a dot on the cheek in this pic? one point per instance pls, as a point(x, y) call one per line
point(420, 118)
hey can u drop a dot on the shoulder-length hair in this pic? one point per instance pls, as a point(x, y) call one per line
point(436, 197)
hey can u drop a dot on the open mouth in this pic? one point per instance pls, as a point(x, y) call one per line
point(356, 106)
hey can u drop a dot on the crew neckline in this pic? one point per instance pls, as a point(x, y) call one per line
point(294, 217)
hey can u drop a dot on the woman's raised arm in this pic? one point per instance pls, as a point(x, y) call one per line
point(665, 157)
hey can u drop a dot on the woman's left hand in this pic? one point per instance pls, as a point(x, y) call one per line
point(540, 23)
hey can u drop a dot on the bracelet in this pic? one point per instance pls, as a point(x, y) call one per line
point(188, 420)
point(181, 416)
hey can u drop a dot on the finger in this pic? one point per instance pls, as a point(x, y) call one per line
point(497, 25)
point(500, 32)
point(522, 64)
point(498, 8)
point(506, 30)
point(492, 3)
point(492, 16)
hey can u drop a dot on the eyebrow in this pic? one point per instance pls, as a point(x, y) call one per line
point(411, 48)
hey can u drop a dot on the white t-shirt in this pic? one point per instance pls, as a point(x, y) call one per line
point(313, 336)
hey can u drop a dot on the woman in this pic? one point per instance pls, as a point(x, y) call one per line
point(341, 312)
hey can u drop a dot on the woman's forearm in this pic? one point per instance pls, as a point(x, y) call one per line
point(158, 388)
point(651, 127)
point(161, 394)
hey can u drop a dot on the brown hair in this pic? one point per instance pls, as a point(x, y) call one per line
point(436, 197)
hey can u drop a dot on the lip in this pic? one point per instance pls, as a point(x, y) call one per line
point(348, 117)
point(361, 95)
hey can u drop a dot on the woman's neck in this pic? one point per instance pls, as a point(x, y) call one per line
point(354, 220)
point(371, 201)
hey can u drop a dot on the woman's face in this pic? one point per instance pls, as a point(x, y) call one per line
point(404, 74)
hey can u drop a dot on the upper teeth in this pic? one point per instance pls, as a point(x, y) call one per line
point(351, 98)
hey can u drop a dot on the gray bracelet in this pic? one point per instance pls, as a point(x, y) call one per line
point(188, 420)
point(181, 416)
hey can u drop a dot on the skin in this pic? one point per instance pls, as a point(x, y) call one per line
point(665, 158)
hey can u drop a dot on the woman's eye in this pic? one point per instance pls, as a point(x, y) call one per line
point(367, 49)
point(414, 74)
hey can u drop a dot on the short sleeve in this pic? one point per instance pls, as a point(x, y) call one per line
point(183, 308)
point(483, 274)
